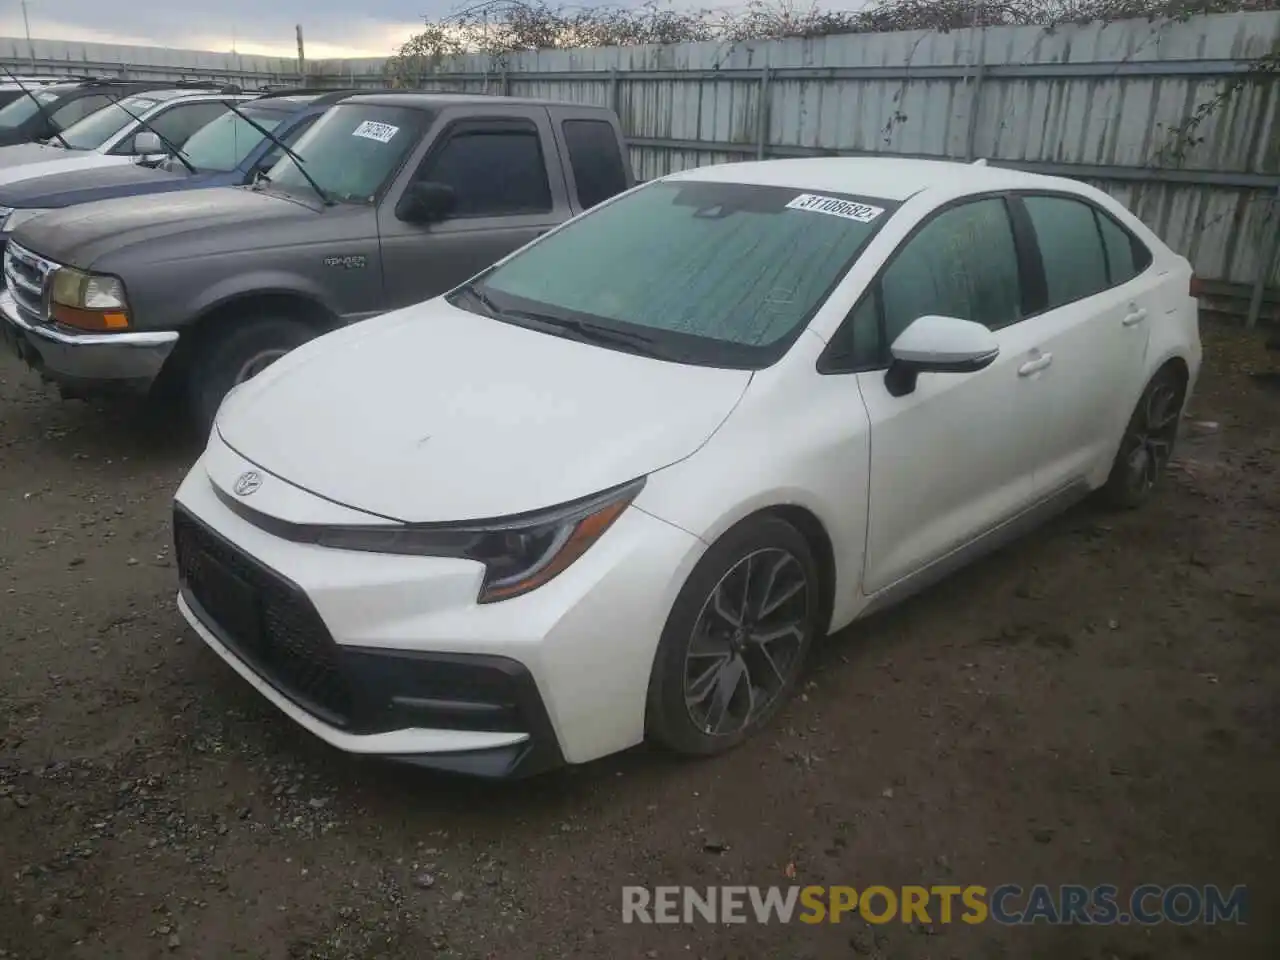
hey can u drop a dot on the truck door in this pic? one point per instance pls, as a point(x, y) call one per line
point(503, 165)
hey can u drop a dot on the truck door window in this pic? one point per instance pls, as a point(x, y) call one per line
point(598, 171)
point(495, 169)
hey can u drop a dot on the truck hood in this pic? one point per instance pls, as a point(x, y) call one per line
point(81, 234)
point(432, 413)
point(17, 153)
point(95, 183)
point(59, 161)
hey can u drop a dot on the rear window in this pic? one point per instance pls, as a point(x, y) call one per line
point(596, 161)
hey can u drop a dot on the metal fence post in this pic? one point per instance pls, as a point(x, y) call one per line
point(615, 93)
point(975, 100)
point(506, 82)
point(762, 114)
point(1270, 255)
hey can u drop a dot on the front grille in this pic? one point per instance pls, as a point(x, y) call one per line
point(265, 619)
point(25, 276)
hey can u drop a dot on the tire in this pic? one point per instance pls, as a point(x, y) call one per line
point(770, 557)
point(235, 354)
point(1148, 442)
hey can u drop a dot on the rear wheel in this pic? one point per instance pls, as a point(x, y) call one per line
point(737, 638)
point(1148, 442)
point(235, 355)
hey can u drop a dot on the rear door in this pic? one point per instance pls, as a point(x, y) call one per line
point(501, 162)
point(1093, 327)
point(591, 144)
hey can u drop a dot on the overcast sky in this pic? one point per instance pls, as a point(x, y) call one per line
point(332, 28)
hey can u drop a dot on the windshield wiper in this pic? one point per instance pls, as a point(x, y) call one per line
point(474, 293)
point(285, 148)
point(165, 141)
point(39, 106)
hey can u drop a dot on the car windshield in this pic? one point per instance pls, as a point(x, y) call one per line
point(97, 128)
point(224, 143)
point(352, 151)
point(24, 108)
point(724, 274)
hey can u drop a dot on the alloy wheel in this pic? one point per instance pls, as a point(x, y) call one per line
point(1151, 438)
point(747, 642)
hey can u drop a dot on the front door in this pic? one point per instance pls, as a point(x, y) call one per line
point(503, 169)
point(953, 458)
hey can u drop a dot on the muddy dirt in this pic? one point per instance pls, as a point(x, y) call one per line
point(1098, 703)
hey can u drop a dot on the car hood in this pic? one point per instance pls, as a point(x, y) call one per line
point(433, 413)
point(59, 161)
point(95, 183)
point(81, 234)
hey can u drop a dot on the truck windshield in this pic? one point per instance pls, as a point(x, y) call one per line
point(24, 108)
point(721, 274)
point(352, 151)
point(97, 128)
point(222, 145)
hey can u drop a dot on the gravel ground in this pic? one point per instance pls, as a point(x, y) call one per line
point(1098, 703)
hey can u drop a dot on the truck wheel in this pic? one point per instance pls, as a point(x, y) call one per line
point(233, 356)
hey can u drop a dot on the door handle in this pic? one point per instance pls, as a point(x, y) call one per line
point(1036, 365)
point(1136, 317)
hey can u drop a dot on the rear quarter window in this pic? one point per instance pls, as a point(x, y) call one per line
point(596, 160)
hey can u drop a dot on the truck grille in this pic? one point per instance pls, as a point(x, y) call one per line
point(265, 619)
point(26, 276)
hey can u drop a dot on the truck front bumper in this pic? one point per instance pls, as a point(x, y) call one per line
point(86, 362)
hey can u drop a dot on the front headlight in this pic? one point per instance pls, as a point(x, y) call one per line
point(90, 301)
point(519, 553)
point(12, 218)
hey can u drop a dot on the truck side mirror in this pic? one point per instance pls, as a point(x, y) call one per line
point(426, 201)
point(147, 143)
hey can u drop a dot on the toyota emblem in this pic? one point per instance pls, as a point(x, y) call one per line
point(247, 482)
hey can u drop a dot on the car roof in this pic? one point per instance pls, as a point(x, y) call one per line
point(432, 101)
point(888, 178)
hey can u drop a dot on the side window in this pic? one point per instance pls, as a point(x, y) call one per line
point(598, 170)
point(496, 170)
point(1126, 255)
point(1075, 264)
point(178, 123)
point(78, 109)
point(962, 263)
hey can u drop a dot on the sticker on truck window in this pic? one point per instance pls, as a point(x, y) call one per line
point(835, 207)
point(372, 130)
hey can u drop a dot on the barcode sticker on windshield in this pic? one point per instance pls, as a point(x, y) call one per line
point(372, 130)
point(836, 207)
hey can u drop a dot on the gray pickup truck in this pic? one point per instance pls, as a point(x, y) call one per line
point(392, 198)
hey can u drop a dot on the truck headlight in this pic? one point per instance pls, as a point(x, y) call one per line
point(519, 553)
point(13, 217)
point(90, 301)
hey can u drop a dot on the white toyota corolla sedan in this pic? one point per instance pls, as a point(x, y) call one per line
point(618, 484)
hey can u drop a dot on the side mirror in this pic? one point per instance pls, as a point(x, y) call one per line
point(426, 202)
point(934, 344)
point(146, 142)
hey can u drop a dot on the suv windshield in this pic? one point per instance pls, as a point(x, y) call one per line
point(97, 128)
point(724, 274)
point(24, 108)
point(352, 151)
point(224, 143)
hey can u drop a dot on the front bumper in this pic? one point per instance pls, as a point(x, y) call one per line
point(391, 656)
point(115, 362)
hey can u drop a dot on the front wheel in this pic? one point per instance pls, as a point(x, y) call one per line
point(737, 638)
point(233, 356)
point(1148, 442)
